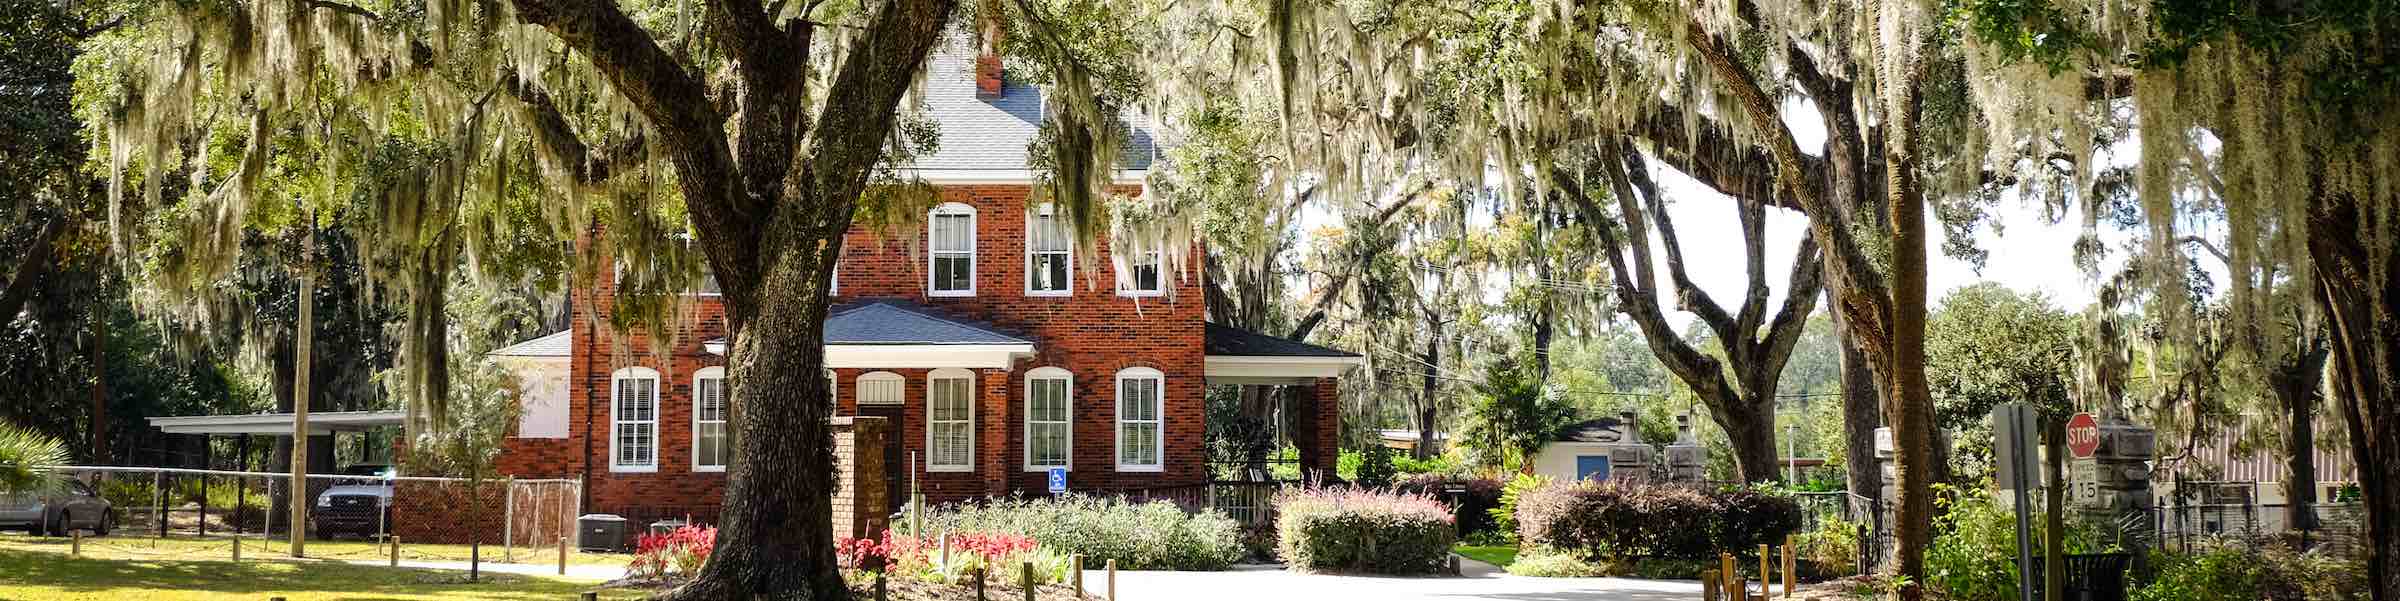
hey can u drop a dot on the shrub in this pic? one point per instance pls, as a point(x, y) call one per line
point(1352, 529)
point(1140, 536)
point(1404, 465)
point(1504, 517)
point(1620, 520)
point(1547, 563)
point(1374, 468)
point(2228, 571)
point(1831, 548)
point(674, 555)
point(1474, 505)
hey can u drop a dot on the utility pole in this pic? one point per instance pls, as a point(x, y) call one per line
point(305, 355)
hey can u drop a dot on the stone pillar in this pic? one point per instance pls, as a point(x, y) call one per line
point(992, 438)
point(2112, 487)
point(1629, 458)
point(1687, 461)
point(860, 496)
point(1317, 429)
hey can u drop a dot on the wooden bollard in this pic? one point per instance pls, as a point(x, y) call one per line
point(562, 556)
point(75, 548)
point(1766, 578)
point(591, 596)
point(1789, 567)
point(1075, 573)
point(237, 550)
point(1734, 586)
point(881, 593)
point(1112, 580)
point(1026, 580)
point(1708, 586)
point(395, 551)
point(979, 584)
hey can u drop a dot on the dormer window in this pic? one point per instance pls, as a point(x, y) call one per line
point(951, 235)
point(1048, 253)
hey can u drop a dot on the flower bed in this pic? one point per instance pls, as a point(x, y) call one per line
point(1139, 536)
point(1349, 529)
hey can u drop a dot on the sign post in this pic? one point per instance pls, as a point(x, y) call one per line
point(2013, 431)
point(1058, 480)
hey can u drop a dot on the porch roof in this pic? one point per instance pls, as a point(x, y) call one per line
point(319, 422)
point(896, 333)
point(1242, 357)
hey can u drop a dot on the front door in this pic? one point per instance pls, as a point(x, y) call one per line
point(895, 456)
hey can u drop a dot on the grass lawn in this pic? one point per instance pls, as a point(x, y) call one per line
point(38, 575)
point(1498, 555)
point(125, 544)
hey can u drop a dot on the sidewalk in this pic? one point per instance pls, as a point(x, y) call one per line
point(1478, 581)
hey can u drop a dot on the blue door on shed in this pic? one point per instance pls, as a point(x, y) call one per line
point(1591, 467)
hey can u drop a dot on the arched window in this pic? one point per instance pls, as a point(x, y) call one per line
point(1049, 253)
point(712, 442)
point(633, 420)
point(950, 234)
point(880, 388)
point(950, 420)
point(1141, 420)
point(1049, 419)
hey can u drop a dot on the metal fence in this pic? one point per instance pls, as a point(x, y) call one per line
point(208, 507)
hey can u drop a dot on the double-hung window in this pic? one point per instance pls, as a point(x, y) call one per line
point(950, 420)
point(1049, 252)
point(712, 442)
point(633, 429)
point(1141, 432)
point(1049, 418)
point(951, 235)
point(1138, 271)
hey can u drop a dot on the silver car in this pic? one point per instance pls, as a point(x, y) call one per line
point(70, 506)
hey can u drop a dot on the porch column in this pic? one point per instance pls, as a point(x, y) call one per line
point(1317, 429)
point(992, 440)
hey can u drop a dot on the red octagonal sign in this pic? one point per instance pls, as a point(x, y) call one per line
point(2083, 435)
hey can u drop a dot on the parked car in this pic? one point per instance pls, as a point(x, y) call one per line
point(359, 506)
point(73, 505)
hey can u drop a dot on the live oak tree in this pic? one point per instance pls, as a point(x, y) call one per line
point(768, 129)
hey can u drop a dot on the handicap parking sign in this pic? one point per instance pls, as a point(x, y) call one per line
point(1058, 480)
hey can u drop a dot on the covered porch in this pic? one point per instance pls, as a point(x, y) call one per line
point(1309, 374)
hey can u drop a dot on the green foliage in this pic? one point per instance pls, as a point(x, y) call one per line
point(23, 452)
point(1544, 562)
point(1473, 502)
point(1504, 516)
point(1139, 536)
point(2233, 571)
point(1512, 416)
point(483, 406)
point(1353, 529)
point(1832, 546)
point(1974, 550)
point(1616, 520)
point(1403, 465)
point(1987, 345)
point(1375, 467)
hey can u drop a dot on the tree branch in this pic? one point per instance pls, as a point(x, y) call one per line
point(1359, 262)
point(550, 127)
point(1704, 374)
point(37, 258)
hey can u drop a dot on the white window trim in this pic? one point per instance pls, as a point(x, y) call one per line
point(876, 377)
point(1049, 373)
point(614, 425)
point(1125, 266)
point(1134, 373)
point(949, 373)
point(932, 255)
point(718, 374)
point(1068, 286)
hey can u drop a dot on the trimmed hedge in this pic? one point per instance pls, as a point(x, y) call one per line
point(1351, 529)
point(1474, 508)
point(1141, 536)
point(1665, 521)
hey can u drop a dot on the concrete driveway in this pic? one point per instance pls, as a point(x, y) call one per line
point(1480, 581)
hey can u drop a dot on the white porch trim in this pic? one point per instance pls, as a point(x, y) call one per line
point(1246, 370)
point(915, 356)
point(319, 422)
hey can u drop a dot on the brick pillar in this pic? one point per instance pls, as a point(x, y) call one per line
point(992, 439)
point(860, 506)
point(1317, 429)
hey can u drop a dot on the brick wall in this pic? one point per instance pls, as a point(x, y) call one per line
point(448, 512)
point(1093, 333)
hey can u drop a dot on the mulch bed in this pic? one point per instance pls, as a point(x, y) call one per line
point(911, 589)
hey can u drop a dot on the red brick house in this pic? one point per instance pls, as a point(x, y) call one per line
point(989, 354)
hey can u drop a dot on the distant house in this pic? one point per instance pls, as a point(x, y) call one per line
point(1405, 440)
point(990, 355)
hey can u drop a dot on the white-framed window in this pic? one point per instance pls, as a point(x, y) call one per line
point(880, 388)
point(1049, 253)
point(1139, 272)
point(950, 420)
point(1049, 419)
point(633, 420)
point(1141, 427)
point(950, 234)
point(712, 441)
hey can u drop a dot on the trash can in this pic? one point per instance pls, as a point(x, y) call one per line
point(600, 532)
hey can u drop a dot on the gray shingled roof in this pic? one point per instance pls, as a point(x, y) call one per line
point(1606, 429)
point(1224, 340)
point(894, 321)
point(989, 134)
point(558, 344)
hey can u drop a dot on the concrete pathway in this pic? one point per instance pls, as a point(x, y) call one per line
point(1479, 581)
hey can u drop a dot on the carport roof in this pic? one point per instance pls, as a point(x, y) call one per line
point(272, 424)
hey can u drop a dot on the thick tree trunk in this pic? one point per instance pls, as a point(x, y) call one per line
point(2365, 325)
point(304, 357)
point(2295, 387)
point(1862, 413)
point(1750, 429)
point(1912, 418)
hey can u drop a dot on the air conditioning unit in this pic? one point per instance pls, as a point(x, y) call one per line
point(601, 532)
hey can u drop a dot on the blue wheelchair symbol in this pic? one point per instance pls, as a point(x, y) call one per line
point(1058, 480)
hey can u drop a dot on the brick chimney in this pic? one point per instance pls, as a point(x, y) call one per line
point(987, 60)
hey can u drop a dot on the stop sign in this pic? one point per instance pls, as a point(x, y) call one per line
point(2083, 435)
